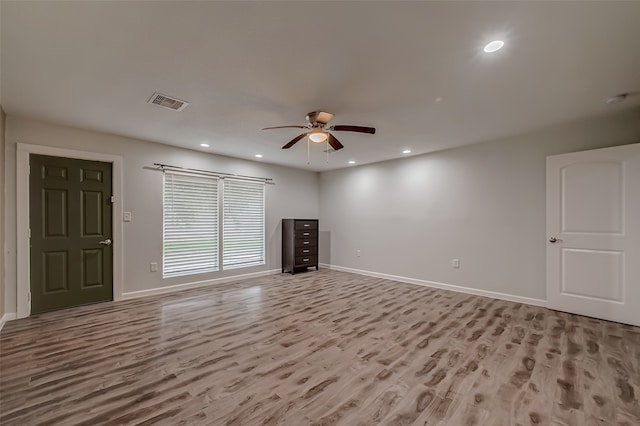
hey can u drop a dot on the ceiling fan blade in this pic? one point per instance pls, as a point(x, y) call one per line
point(359, 129)
point(285, 127)
point(294, 140)
point(335, 143)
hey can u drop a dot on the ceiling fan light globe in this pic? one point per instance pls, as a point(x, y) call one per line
point(318, 137)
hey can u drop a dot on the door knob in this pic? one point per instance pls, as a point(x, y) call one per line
point(553, 240)
point(106, 242)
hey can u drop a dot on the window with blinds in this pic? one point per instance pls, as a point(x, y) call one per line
point(243, 223)
point(190, 238)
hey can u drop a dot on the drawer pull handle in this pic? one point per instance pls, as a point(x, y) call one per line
point(305, 242)
point(305, 260)
point(306, 234)
point(305, 251)
point(306, 225)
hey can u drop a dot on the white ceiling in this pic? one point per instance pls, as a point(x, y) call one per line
point(247, 65)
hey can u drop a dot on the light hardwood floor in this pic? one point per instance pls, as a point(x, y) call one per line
point(318, 348)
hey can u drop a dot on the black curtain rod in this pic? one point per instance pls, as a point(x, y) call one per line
point(163, 166)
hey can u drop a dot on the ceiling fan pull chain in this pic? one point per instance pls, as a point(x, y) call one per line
point(327, 150)
point(308, 150)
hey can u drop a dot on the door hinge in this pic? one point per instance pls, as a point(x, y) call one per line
point(113, 199)
point(29, 297)
point(29, 232)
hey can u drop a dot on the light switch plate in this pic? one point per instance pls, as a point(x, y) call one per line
point(126, 217)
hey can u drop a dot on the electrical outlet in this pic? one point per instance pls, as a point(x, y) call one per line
point(358, 253)
point(455, 263)
point(154, 267)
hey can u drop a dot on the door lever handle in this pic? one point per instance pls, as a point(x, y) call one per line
point(553, 240)
point(106, 242)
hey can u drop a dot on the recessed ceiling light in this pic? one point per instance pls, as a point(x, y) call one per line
point(438, 99)
point(352, 162)
point(258, 155)
point(494, 46)
point(406, 151)
point(204, 145)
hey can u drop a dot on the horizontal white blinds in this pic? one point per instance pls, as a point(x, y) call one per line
point(190, 206)
point(243, 223)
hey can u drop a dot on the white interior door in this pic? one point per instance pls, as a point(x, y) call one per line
point(593, 233)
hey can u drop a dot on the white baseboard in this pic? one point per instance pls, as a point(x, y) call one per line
point(197, 284)
point(9, 316)
point(443, 286)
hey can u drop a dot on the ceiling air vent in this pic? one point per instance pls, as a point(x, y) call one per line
point(168, 102)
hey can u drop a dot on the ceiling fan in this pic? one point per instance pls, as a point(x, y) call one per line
point(317, 130)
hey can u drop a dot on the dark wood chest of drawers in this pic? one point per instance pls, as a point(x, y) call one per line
point(299, 244)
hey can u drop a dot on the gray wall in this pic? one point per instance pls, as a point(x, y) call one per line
point(483, 204)
point(3, 206)
point(2, 196)
point(295, 194)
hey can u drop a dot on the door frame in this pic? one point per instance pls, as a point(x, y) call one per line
point(23, 278)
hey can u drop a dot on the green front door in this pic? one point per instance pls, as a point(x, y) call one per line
point(70, 219)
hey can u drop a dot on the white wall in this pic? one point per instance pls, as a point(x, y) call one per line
point(295, 194)
point(483, 204)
